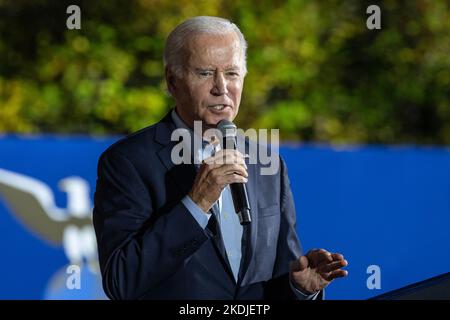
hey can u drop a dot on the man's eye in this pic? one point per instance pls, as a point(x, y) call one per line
point(205, 73)
point(233, 74)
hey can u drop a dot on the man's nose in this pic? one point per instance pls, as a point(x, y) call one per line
point(220, 85)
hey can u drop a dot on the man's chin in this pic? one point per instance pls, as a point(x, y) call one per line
point(207, 126)
point(211, 122)
point(213, 125)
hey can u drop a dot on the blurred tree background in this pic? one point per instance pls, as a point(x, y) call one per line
point(315, 70)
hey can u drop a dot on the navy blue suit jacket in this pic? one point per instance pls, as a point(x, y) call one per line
point(151, 247)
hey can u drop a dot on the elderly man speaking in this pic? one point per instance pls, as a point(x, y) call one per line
point(169, 231)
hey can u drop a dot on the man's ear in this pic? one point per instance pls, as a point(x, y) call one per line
point(170, 80)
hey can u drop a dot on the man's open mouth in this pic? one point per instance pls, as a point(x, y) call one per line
point(219, 107)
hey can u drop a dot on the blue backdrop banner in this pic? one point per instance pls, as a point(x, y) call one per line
point(387, 209)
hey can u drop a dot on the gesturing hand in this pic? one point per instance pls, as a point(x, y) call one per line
point(315, 270)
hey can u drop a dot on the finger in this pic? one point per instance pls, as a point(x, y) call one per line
point(208, 165)
point(232, 178)
point(337, 256)
point(325, 262)
point(221, 169)
point(206, 168)
point(229, 151)
point(303, 263)
point(318, 256)
point(229, 159)
point(337, 274)
point(227, 169)
point(226, 157)
point(332, 266)
point(220, 177)
point(223, 153)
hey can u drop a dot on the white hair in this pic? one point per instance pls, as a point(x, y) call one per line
point(173, 51)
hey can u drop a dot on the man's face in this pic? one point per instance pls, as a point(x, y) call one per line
point(211, 85)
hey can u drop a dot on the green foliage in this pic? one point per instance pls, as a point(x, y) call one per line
point(315, 71)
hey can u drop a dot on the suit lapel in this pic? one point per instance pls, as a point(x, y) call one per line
point(249, 231)
point(179, 177)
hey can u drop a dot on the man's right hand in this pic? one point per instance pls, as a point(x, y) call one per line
point(225, 167)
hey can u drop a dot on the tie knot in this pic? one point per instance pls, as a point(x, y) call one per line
point(205, 143)
point(208, 149)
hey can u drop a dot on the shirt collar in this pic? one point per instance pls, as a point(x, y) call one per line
point(197, 143)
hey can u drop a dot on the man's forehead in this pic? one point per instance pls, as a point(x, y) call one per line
point(203, 50)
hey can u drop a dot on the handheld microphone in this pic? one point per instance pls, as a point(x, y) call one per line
point(238, 190)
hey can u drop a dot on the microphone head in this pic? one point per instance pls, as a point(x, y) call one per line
point(227, 128)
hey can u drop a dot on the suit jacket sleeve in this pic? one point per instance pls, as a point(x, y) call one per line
point(288, 246)
point(136, 250)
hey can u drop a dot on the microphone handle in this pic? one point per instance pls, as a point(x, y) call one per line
point(240, 200)
point(239, 191)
